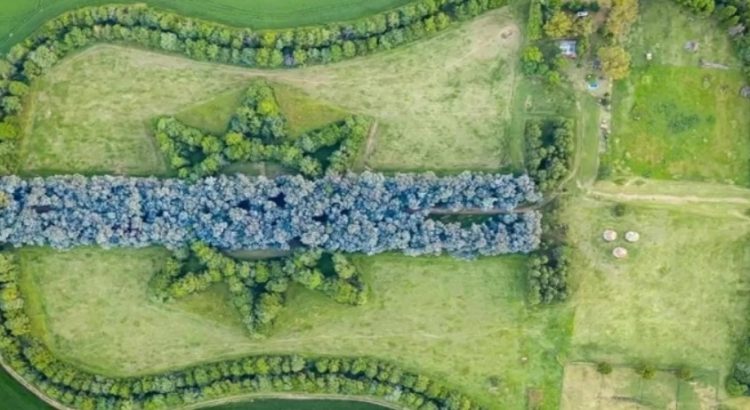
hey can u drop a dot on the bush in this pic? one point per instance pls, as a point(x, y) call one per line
point(619, 210)
point(684, 373)
point(549, 151)
point(604, 368)
point(646, 370)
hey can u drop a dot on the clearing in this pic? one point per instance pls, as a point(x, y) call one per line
point(441, 104)
point(462, 321)
point(672, 118)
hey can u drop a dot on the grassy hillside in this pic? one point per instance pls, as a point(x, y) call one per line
point(462, 321)
point(446, 109)
point(19, 18)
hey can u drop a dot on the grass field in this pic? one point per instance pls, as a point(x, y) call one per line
point(682, 123)
point(681, 296)
point(19, 18)
point(673, 119)
point(92, 113)
point(14, 396)
point(462, 321)
point(446, 109)
point(623, 389)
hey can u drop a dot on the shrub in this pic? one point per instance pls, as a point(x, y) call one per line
point(619, 210)
point(684, 373)
point(604, 368)
point(646, 370)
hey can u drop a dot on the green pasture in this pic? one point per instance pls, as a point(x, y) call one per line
point(441, 104)
point(674, 118)
point(681, 123)
point(586, 389)
point(14, 396)
point(464, 322)
point(679, 299)
point(19, 18)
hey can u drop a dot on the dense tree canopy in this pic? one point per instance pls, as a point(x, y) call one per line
point(367, 213)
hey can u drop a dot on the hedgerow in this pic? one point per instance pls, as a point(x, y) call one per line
point(258, 288)
point(65, 383)
point(367, 213)
point(258, 132)
point(550, 147)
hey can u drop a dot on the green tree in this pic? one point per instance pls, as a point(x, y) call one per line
point(534, 27)
point(621, 17)
point(615, 62)
point(559, 25)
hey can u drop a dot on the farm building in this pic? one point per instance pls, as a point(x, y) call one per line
point(568, 48)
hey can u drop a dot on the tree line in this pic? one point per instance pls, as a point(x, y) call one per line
point(258, 132)
point(71, 386)
point(207, 41)
point(550, 146)
point(368, 212)
point(258, 288)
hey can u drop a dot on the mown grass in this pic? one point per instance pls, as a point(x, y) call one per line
point(441, 104)
point(681, 296)
point(213, 115)
point(304, 113)
point(673, 119)
point(20, 18)
point(462, 321)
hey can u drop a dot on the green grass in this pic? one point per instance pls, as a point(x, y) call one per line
point(586, 389)
point(681, 296)
point(304, 113)
point(213, 115)
point(93, 112)
point(673, 119)
point(14, 396)
point(460, 321)
point(446, 109)
point(682, 123)
point(276, 404)
point(20, 18)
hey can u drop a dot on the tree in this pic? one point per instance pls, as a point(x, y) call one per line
point(532, 61)
point(621, 17)
point(534, 28)
point(615, 62)
point(559, 25)
point(699, 6)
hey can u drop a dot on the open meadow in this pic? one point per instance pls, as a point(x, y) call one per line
point(463, 321)
point(91, 114)
point(673, 118)
point(679, 299)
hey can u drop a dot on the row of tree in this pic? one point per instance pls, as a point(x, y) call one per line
point(735, 15)
point(368, 212)
point(550, 145)
point(74, 387)
point(547, 273)
point(258, 132)
point(258, 288)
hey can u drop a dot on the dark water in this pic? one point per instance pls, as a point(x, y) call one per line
point(278, 404)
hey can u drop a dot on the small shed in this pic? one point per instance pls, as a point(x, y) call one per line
point(620, 252)
point(583, 13)
point(569, 48)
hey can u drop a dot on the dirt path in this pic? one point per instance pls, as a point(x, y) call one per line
point(668, 199)
point(294, 396)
